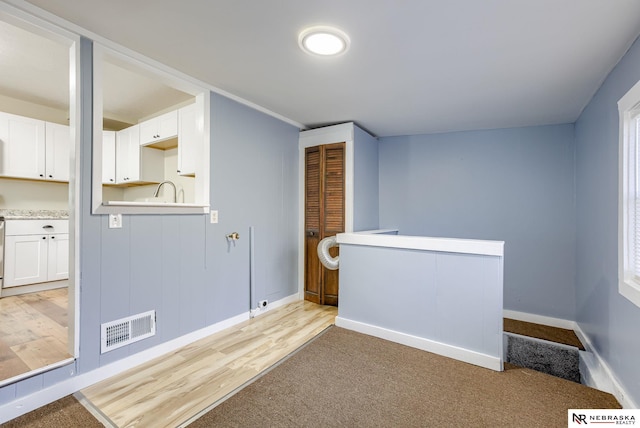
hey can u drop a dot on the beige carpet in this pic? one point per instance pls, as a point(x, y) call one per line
point(348, 379)
point(64, 413)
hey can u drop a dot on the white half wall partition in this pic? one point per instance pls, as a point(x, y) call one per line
point(437, 294)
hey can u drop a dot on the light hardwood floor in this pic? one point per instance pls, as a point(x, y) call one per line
point(33, 331)
point(172, 389)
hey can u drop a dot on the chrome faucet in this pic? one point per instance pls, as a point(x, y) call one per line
point(175, 192)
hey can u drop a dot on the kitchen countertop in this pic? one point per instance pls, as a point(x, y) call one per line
point(34, 214)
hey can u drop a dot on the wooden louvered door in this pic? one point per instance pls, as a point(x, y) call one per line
point(324, 216)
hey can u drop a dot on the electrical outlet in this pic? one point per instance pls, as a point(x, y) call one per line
point(115, 221)
point(214, 216)
point(263, 304)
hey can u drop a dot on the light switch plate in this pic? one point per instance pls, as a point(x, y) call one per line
point(214, 216)
point(115, 221)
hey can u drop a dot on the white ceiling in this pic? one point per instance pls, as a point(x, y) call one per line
point(414, 66)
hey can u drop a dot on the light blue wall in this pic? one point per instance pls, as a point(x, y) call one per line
point(254, 183)
point(450, 298)
point(365, 181)
point(513, 185)
point(181, 265)
point(610, 321)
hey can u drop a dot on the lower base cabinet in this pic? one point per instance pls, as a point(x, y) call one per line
point(31, 258)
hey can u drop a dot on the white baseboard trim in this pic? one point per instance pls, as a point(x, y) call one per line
point(45, 396)
point(461, 354)
point(284, 301)
point(597, 374)
point(539, 319)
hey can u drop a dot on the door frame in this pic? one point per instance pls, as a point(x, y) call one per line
point(45, 28)
point(318, 137)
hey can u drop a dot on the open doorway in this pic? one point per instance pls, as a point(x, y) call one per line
point(38, 120)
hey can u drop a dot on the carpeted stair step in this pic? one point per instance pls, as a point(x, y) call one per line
point(550, 350)
point(544, 332)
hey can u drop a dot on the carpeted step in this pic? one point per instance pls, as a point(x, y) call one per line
point(547, 349)
point(544, 332)
point(556, 359)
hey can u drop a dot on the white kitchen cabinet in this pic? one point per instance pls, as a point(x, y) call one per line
point(36, 251)
point(136, 164)
point(57, 146)
point(108, 157)
point(22, 146)
point(189, 140)
point(127, 153)
point(159, 128)
point(31, 148)
point(25, 260)
point(58, 257)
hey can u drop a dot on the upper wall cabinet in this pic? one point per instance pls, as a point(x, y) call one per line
point(109, 157)
point(33, 149)
point(159, 129)
point(189, 141)
point(136, 164)
point(57, 140)
point(22, 150)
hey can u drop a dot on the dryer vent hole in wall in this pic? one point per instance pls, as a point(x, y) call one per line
point(125, 331)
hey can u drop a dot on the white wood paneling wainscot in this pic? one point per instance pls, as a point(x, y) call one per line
point(441, 295)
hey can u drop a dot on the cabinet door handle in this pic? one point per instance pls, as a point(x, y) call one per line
point(50, 176)
point(47, 226)
point(41, 175)
point(44, 237)
point(53, 237)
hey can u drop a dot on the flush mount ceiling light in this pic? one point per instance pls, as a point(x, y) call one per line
point(323, 41)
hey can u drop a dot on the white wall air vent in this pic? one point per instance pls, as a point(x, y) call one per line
point(125, 331)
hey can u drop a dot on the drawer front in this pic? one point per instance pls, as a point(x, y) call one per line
point(36, 227)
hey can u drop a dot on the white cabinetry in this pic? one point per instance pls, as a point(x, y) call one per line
point(58, 257)
point(159, 128)
point(108, 157)
point(35, 149)
point(26, 260)
point(36, 251)
point(22, 150)
point(57, 141)
point(136, 164)
point(189, 140)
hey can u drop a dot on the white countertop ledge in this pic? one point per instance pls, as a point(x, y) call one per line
point(136, 207)
point(449, 245)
